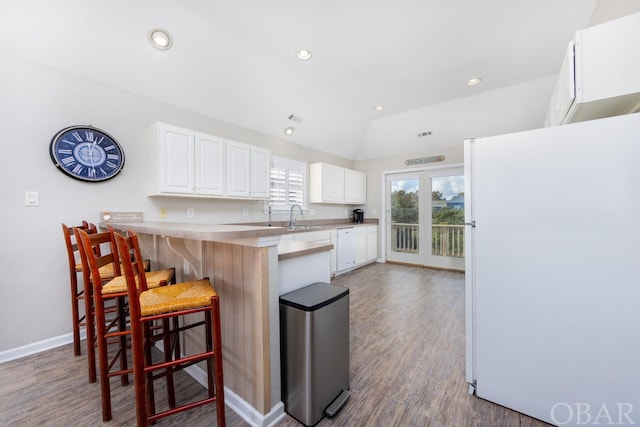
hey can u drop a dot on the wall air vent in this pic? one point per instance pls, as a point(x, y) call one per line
point(423, 160)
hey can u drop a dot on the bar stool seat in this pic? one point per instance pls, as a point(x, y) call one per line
point(180, 296)
point(154, 279)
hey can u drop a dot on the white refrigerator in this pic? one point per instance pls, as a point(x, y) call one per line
point(553, 271)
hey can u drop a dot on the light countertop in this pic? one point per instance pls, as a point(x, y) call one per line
point(290, 249)
point(194, 231)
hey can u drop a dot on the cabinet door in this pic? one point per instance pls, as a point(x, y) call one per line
point(238, 169)
point(260, 172)
point(355, 187)
point(209, 165)
point(361, 246)
point(175, 160)
point(338, 184)
point(332, 183)
point(372, 243)
point(334, 241)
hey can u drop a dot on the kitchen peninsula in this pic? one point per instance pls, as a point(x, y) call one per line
point(242, 263)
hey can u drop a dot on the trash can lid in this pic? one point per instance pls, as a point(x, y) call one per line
point(314, 297)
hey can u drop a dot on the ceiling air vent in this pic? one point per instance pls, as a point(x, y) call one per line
point(421, 134)
point(295, 118)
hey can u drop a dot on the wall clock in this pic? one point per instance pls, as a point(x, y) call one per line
point(86, 153)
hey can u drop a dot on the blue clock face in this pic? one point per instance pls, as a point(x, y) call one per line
point(86, 153)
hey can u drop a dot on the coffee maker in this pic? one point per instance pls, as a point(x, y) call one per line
point(358, 216)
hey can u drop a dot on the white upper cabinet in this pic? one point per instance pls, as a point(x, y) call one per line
point(260, 172)
point(209, 156)
point(175, 169)
point(599, 74)
point(334, 184)
point(184, 162)
point(355, 187)
point(188, 162)
point(238, 169)
point(248, 171)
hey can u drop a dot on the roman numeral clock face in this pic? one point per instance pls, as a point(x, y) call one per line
point(86, 153)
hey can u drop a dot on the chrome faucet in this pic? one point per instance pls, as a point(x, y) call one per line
point(292, 220)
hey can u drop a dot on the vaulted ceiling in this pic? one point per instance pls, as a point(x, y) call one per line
point(235, 60)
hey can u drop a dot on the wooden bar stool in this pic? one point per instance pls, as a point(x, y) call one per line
point(84, 294)
point(147, 306)
point(105, 327)
point(77, 294)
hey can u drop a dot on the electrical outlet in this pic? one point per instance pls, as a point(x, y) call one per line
point(190, 213)
point(312, 211)
point(374, 212)
point(245, 212)
point(346, 212)
point(163, 213)
point(31, 198)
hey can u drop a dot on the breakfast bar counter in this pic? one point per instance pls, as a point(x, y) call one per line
point(243, 262)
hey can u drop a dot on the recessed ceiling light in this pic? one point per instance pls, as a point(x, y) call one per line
point(378, 108)
point(289, 130)
point(304, 54)
point(473, 81)
point(160, 38)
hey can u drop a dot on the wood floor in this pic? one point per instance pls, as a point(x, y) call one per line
point(407, 366)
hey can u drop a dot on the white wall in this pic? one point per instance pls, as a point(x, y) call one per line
point(606, 10)
point(35, 103)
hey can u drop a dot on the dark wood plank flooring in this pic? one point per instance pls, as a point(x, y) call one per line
point(407, 366)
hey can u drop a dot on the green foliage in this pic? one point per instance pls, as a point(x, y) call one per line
point(449, 216)
point(404, 207)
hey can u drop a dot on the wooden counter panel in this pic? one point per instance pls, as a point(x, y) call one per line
point(240, 276)
point(239, 273)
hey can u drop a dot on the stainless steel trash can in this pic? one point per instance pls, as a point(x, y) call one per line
point(314, 337)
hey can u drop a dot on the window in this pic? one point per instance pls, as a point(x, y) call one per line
point(288, 183)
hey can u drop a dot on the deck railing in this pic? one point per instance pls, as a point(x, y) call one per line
point(447, 240)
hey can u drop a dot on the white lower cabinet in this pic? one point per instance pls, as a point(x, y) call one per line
point(361, 245)
point(324, 236)
point(366, 243)
point(372, 243)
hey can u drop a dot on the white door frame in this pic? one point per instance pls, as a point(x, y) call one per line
point(437, 261)
point(384, 207)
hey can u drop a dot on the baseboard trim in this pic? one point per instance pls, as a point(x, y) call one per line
point(37, 347)
point(240, 406)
